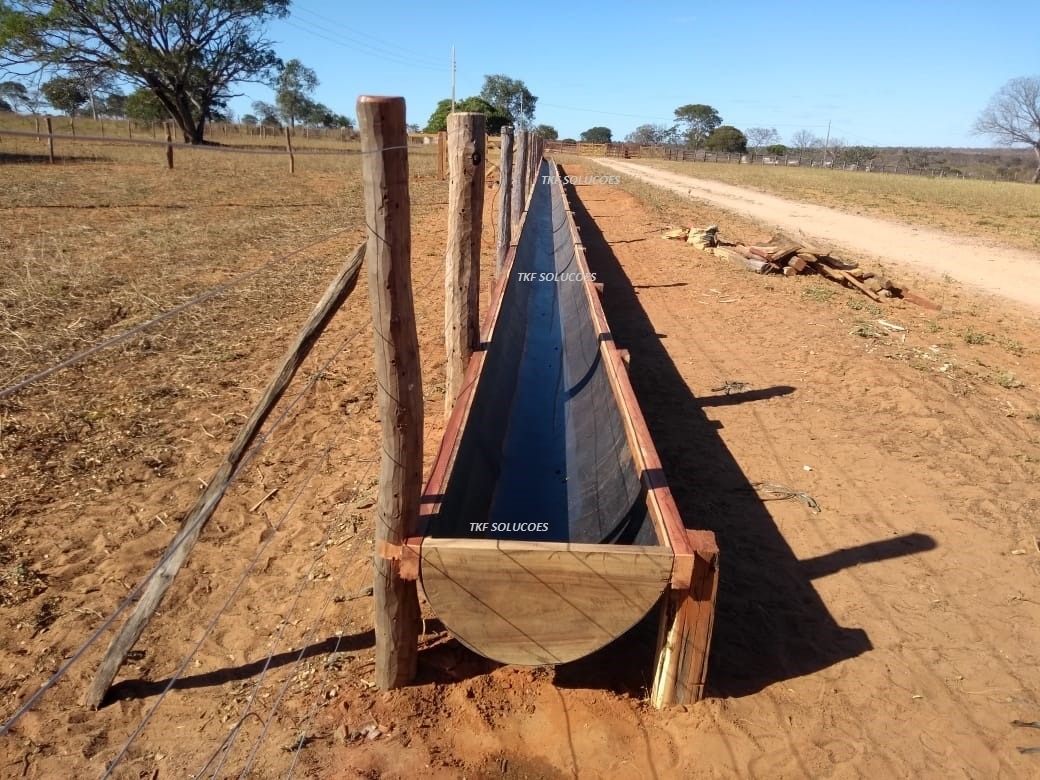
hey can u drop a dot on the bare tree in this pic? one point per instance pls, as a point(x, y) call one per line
point(804, 140)
point(761, 137)
point(1013, 116)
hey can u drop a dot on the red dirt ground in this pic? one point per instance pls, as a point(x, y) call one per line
point(892, 634)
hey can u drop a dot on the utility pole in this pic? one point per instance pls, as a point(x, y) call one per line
point(827, 144)
point(453, 79)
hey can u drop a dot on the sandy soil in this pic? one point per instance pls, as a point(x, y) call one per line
point(1003, 270)
point(892, 634)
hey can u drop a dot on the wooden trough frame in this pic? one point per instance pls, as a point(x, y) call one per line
point(559, 593)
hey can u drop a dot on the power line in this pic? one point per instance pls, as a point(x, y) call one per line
point(361, 48)
point(365, 39)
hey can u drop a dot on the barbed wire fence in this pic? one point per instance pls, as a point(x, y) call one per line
point(222, 752)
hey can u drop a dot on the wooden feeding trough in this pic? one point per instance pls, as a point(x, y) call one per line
point(546, 527)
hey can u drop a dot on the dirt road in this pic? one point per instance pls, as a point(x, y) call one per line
point(1000, 270)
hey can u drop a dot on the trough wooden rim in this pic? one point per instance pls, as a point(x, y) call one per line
point(664, 514)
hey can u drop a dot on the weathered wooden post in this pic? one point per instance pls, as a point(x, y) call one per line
point(289, 149)
point(505, 185)
point(442, 155)
point(384, 168)
point(50, 141)
point(129, 128)
point(684, 634)
point(519, 177)
point(37, 118)
point(466, 144)
point(169, 146)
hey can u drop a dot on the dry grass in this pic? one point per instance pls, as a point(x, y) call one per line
point(1004, 211)
point(90, 249)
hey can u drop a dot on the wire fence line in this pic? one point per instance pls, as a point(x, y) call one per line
point(246, 459)
point(208, 147)
point(793, 158)
point(227, 602)
point(141, 327)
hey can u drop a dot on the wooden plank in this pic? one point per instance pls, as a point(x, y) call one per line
point(536, 603)
point(182, 544)
point(858, 284)
point(798, 263)
point(505, 195)
point(684, 638)
point(462, 273)
point(384, 169)
point(920, 300)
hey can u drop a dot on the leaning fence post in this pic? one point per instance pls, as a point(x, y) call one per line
point(50, 141)
point(384, 168)
point(288, 148)
point(505, 184)
point(466, 144)
point(519, 177)
point(169, 146)
point(442, 155)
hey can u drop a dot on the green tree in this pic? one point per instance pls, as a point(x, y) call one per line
point(65, 94)
point(296, 83)
point(1013, 117)
point(696, 122)
point(726, 139)
point(249, 120)
point(856, 155)
point(144, 106)
point(188, 52)
point(548, 132)
point(113, 105)
point(597, 135)
point(511, 97)
point(777, 150)
point(14, 95)
point(495, 120)
point(268, 114)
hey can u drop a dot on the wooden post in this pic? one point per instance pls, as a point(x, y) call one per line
point(152, 126)
point(384, 170)
point(288, 147)
point(169, 146)
point(129, 128)
point(520, 177)
point(37, 128)
point(263, 131)
point(72, 124)
point(505, 186)
point(466, 164)
point(50, 141)
point(684, 636)
point(102, 123)
point(442, 155)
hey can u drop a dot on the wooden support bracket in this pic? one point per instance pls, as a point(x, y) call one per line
point(684, 637)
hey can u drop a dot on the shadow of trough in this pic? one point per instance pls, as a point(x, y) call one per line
point(771, 624)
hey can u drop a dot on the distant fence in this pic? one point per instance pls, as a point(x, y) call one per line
point(804, 160)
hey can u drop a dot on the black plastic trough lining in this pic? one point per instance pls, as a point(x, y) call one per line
point(544, 455)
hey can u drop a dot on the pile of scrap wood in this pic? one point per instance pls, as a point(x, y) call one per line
point(783, 254)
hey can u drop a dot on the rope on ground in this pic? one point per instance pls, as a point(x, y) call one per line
point(200, 298)
point(234, 592)
point(782, 491)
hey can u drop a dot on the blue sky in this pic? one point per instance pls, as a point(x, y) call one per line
point(911, 73)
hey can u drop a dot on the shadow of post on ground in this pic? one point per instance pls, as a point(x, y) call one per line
point(770, 622)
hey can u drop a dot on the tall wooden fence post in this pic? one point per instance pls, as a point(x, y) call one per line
point(442, 155)
point(169, 146)
point(466, 145)
point(37, 118)
point(384, 168)
point(505, 185)
point(50, 141)
point(289, 149)
point(520, 177)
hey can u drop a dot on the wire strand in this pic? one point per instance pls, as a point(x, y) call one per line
point(201, 297)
